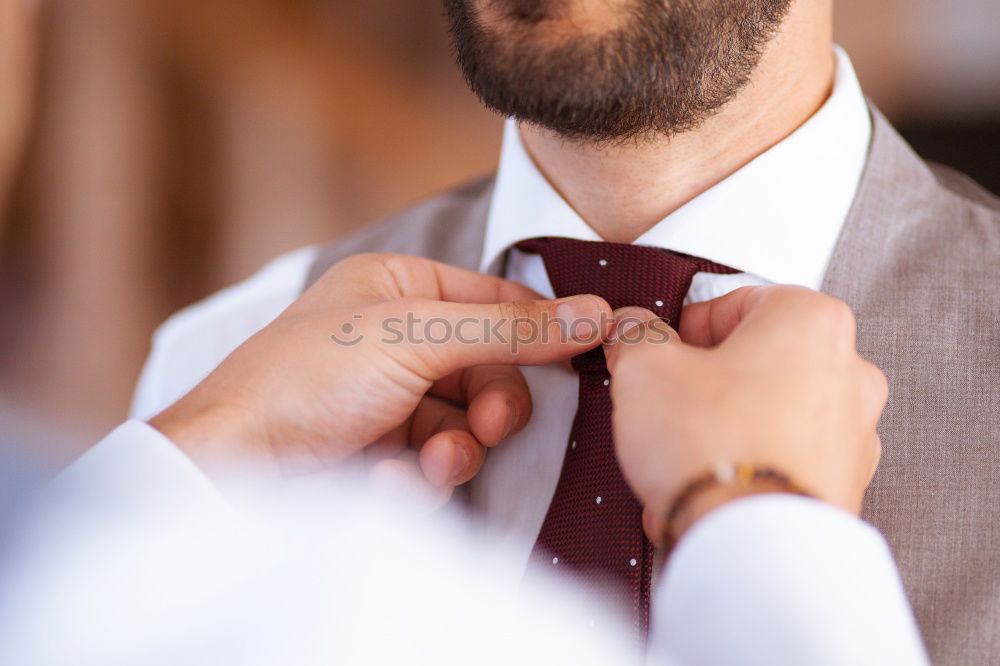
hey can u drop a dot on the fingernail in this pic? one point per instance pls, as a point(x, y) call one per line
point(511, 420)
point(626, 321)
point(462, 460)
point(622, 328)
point(578, 317)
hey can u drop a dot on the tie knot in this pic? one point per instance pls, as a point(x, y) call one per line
point(622, 274)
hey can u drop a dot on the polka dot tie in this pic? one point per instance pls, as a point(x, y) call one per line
point(594, 524)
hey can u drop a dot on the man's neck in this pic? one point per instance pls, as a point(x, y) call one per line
point(623, 191)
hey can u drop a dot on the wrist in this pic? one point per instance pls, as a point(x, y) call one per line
point(210, 434)
point(716, 497)
point(711, 491)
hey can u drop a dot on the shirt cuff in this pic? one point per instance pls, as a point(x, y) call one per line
point(780, 579)
point(137, 469)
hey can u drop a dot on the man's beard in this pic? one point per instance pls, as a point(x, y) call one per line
point(664, 69)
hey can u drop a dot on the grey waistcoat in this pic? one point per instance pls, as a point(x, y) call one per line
point(919, 262)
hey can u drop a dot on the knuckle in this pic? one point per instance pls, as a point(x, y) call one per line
point(831, 310)
point(840, 315)
point(400, 266)
point(785, 297)
point(879, 383)
point(843, 313)
point(834, 320)
point(514, 310)
point(368, 262)
point(353, 265)
point(387, 276)
point(875, 455)
point(522, 319)
point(412, 275)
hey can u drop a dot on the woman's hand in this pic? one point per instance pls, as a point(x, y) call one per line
point(408, 361)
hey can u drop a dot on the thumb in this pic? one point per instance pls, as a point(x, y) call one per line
point(708, 323)
point(637, 331)
point(461, 335)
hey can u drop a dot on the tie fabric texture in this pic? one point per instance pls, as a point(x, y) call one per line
point(594, 525)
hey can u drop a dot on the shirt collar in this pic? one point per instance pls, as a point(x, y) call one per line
point(778, 217)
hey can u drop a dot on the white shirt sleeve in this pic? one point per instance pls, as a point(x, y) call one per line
point(139, 470)
point(770, 580)
point(134, 558)
point(781, 579)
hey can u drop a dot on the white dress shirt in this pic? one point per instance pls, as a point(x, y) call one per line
point(134, 557)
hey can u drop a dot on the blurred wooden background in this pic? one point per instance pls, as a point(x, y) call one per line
point(174, 146)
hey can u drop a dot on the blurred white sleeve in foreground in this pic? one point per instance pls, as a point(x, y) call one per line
point(781, 579)
point(133, 557)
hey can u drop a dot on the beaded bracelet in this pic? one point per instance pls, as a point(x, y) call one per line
point(727, 474)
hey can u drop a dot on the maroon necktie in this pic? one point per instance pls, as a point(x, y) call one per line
point(594, 524)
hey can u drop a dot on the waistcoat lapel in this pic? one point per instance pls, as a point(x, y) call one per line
point(918, 263)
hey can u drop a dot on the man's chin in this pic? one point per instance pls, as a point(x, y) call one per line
point(633, 68)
